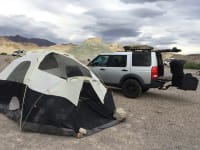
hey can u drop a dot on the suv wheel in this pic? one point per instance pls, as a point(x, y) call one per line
point(131, 88)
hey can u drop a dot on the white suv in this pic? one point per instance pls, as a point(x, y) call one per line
point(133, 71)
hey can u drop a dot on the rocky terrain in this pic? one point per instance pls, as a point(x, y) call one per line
point(87, 49)
point(158, 120)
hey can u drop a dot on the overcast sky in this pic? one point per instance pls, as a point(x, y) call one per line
point(160, 23)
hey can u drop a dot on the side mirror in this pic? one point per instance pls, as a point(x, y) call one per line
point(88, 60)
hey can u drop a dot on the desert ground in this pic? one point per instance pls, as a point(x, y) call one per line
point(167, 120)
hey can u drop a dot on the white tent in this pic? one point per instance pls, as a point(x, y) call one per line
point(45, 72)
point(56, 93)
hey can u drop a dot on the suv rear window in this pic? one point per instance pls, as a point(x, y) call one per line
point(141, 59)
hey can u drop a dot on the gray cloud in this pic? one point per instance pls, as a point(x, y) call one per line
point(161, 41)
point(194, 36)
point(146, 12)
point(58, 6)
point(175, 21)
point(113, 25)
point(188, 9)
point(22, 25)
point(144, 1)
point(112, 32)
point(164, 41)
point(116, 33)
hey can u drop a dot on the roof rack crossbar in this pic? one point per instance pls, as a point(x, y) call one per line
point(138, 48)
point(146, 48)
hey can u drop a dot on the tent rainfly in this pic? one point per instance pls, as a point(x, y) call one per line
point(51, 92)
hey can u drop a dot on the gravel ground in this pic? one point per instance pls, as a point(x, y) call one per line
point(167, 120)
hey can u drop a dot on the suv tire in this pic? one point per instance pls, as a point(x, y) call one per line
point(131, 88)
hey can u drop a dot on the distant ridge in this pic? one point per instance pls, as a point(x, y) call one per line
point(189, 58)
point(37, 41)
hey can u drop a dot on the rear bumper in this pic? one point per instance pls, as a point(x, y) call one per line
point(154, 84)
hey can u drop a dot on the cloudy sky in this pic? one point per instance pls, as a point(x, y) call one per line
point(161, 23)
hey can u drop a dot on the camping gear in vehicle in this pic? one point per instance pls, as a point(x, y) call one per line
point(52, 92)
point(181, 80)
point(176, 68)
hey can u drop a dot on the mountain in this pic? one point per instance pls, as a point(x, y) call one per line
point(62, 47)
point(89, 48)
point(37, 41)
point(8, 46)
point(116, 47)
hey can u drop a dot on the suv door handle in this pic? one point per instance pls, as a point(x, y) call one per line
point(102, 69)
point(124, 70)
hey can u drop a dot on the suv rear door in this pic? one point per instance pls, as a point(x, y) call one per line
point(113, 68)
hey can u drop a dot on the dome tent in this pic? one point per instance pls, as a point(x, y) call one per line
point(52, 92)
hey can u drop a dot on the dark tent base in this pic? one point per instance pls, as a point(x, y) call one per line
point(47, 129)
point(57, 115)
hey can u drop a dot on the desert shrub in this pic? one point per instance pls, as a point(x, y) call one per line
point(3, 53)
point(192, 65)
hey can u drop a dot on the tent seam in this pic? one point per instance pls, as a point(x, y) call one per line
point(32, 108)
point(20, 124)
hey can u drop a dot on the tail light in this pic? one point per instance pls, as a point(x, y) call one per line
point(154, 72)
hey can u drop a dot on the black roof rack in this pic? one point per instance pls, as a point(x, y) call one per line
point(174, 49)
point(148, 48)
point(138, 48)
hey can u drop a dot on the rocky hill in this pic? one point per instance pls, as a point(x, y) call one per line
point(89, 48)
point(8, 45)
point(37, 41)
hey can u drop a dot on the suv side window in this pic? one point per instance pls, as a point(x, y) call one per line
point(100, 61)
point(141, 59)
point(117, 61)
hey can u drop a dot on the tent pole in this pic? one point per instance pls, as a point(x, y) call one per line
point(20, 123)
point(31, 109)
